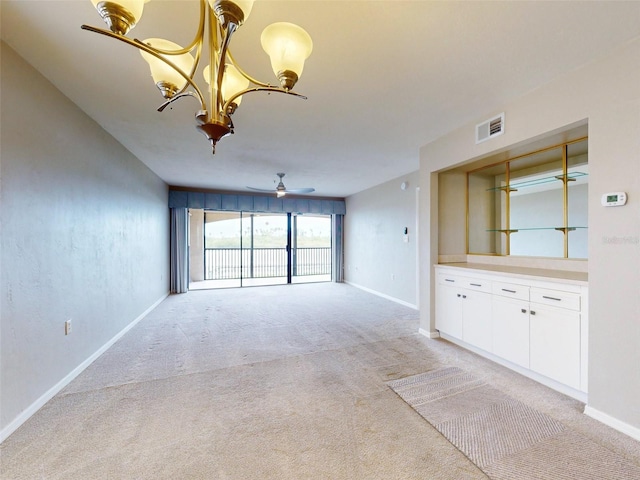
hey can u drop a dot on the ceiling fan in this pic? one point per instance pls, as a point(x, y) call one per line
point(281, 190)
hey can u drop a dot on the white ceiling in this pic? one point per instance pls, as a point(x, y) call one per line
point(385, 78)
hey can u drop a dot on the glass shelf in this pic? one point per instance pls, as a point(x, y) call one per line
point(571, 176)
point(513, 230)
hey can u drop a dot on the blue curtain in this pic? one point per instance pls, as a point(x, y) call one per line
point(179, 258)
point(337, 271)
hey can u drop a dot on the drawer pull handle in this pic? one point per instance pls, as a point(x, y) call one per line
point(476, 284)
point(532, 312)
point(509, 291)
point(523, 310)
point(464, 296)
point(552, 298)
point(459, 295)
point(448, 280)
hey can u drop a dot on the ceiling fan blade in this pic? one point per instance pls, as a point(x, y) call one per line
point(300, 190)
point(281, 189)
point(267, 190)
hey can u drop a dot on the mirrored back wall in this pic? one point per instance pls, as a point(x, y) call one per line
point(533, 204)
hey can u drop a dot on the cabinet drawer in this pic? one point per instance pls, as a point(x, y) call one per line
point(464, 282)
point(556, 298)
point(511, 290)
point(450, 279)
point(476, 284)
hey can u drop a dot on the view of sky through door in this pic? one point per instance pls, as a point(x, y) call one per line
point(247, 249)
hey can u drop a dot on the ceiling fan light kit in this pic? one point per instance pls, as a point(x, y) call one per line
point(173, 67)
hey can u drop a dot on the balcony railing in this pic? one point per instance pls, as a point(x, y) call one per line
point(234, 263)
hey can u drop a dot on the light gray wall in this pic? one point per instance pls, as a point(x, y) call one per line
point(376, 256)
point(84, 237)
point(606, 94)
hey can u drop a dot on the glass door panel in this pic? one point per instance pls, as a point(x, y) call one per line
point(311, 248)
point(222, 249)
point(264, 249)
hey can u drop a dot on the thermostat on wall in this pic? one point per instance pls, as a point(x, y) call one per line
point(614, 199)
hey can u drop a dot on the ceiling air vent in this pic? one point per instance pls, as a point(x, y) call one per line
point(489, 129)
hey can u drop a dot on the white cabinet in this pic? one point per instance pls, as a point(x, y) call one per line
point(449, 311)
point(555, 347)
point(511, 330)
point(476, 319)
point(536, 327)
point(463, 309)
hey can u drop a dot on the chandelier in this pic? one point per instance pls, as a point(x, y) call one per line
point(173, 67)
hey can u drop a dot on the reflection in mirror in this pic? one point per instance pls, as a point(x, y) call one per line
point(537, 204)
point(486, 210)
point(521, 206)
point(578, 169)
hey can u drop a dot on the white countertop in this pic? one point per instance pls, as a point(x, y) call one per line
point(577, 278)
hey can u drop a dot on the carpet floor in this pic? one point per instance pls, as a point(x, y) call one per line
point(283, 382)
point(504, 437)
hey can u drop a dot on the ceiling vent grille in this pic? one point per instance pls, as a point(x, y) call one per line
point(489, 129)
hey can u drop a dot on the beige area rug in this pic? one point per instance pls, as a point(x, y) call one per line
point(504, 437)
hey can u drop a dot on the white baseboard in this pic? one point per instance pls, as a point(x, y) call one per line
point(612, 422)
point(393, 299)
point(40, 402)
point(429, 334)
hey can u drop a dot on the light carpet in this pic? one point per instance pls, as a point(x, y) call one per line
point(504, 437)
point(268, 383)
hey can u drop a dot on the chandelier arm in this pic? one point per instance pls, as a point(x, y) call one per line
point(215, 94)
point(197, 40)
point(224, 47)
point(151, 51)
point(245, 74)
point(176, 97)
point(196, 62)
point(261, 89)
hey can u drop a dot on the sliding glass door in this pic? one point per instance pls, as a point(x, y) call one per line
point(247, 249)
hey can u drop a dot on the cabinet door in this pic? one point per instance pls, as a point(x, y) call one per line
point(555, 344)
point(476, 319)
point(510, 330)
point(449, 311)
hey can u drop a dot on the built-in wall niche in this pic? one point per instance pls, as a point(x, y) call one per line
point(531, 205)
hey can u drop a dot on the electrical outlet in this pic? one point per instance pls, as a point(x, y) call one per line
point(67, 327)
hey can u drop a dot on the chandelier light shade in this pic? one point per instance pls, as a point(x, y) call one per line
point(232, 83)
point(120, 16)
point(166, 78)
point(230, 8)
point(173, 67)
point(288, 46)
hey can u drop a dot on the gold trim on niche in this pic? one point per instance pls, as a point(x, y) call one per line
point(507, 189)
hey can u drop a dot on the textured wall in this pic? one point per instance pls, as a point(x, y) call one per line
point(84, 237)
point(376, 256)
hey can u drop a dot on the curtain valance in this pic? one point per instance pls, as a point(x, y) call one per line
point(254, 203)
